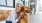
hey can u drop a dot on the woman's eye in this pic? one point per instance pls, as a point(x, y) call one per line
point(20, 6)
point(17, 6)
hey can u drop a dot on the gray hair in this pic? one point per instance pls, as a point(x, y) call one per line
point(18, 4)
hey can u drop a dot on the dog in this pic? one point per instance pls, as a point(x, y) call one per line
point(25, 18)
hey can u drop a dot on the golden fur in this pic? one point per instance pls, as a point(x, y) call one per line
point(25, 17)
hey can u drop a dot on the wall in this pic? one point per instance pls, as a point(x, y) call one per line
point(39, 6)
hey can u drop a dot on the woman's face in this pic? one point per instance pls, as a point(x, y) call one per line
point(18, 7)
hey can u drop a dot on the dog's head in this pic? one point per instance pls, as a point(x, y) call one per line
point(27, 9)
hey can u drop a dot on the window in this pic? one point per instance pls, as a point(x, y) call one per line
point(7, 3)
point(25, 2)
point(2, 2)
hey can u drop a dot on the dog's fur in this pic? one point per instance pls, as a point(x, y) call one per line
point(26, 16)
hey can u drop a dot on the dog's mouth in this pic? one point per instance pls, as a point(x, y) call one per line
point(28, 11)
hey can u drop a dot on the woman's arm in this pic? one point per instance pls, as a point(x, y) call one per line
point(18, 19)
point(21, 14)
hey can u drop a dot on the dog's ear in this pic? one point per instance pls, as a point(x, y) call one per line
point(22, 9)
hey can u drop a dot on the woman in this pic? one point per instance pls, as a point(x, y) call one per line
point(19, 11)
point(15, 17)
point(22, 13)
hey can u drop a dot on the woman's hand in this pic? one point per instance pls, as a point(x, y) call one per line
point(21, 14)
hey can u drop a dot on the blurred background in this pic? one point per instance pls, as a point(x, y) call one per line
point(36, 5)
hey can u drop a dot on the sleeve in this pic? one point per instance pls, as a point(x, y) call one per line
point(16, 20)
point(13, 16)
point(9, 19)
